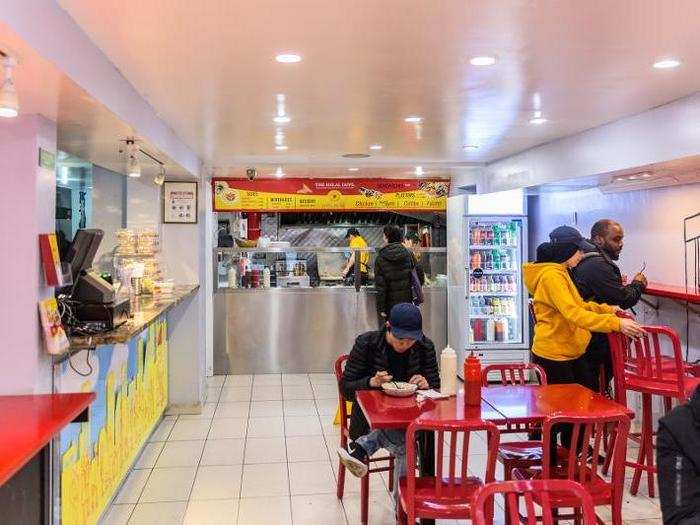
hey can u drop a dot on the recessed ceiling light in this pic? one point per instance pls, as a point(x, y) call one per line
point(419, 171)
point(353, 169)
point(288, 58)
point(537, 118)
point(282, 119)
point(279, 173)
point(376, 147)
point(482, 61)
point(356, 155)
point(282, 148)
point(413, 120)
point(468, 147)
point(667, 63)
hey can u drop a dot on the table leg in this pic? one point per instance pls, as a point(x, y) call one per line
point(427, 461)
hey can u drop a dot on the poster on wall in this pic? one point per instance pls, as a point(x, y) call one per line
point(179, 202)
point(274, 195)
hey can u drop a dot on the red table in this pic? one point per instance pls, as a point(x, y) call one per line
point(27, 426)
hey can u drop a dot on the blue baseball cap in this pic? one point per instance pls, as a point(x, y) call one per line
point(406, 321)
point(569, 235)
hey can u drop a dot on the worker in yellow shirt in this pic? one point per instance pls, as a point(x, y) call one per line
point(355, 240)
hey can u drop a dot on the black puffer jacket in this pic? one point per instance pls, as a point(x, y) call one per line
point(369, 356)
point(678, 461)
point(392, 277)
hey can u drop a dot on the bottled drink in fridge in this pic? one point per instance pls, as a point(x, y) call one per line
point(499, 335)
point(490, 330)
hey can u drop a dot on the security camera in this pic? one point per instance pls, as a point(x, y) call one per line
point(251, 173)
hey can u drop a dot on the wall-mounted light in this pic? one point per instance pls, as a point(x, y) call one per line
point(159, 179)
point(133, 166)
point(9, 102)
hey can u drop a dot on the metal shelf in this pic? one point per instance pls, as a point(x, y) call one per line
point(492, 246)
point(494, 294)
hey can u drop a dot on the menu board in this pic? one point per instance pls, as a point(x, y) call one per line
point(330, 194)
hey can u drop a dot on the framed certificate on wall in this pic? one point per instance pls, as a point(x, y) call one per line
point(179, 202)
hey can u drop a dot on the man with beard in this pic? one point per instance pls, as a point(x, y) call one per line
point(598, 279)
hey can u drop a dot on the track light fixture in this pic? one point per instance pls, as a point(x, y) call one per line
point(9, 103)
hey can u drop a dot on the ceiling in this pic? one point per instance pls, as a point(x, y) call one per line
point(85, 128)
point(208, 70)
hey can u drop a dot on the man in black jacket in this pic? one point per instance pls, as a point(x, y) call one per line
point(400, 352)
point(598, 279)
point(678, 463)
point(392, 273)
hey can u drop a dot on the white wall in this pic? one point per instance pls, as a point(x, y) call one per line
point(653, 223)
point(27, 208)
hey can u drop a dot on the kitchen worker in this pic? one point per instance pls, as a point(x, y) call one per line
point(598, 279)
point(398, 352)
point(355, 240)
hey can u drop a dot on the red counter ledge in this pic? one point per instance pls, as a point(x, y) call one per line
point(29, 422)
point(671, 291)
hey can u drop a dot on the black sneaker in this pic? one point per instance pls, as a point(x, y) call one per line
point(355, 461)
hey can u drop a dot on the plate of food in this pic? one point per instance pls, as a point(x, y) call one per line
point(399, 388)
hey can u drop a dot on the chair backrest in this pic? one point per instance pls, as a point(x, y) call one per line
point(583, 463)
point(644, 359)
point(513, 373)
point(339, 368)
point(530, 490)
point(448, 474)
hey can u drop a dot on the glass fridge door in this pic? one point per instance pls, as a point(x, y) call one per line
point(494, 284)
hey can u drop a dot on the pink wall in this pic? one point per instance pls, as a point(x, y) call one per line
point(27, 207)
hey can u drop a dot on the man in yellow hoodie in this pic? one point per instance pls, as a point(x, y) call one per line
point(564, 321)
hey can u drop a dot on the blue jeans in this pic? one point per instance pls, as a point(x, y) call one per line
point(395, 442)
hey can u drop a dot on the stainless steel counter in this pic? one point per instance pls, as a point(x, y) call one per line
point(296, 330)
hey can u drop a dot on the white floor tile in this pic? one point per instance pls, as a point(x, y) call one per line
point(381, 509)
point(306, 448)
point(267, 379)
point(238, 380)
point(297, 392)
point(217, 482)
point(160, 513)
point(149, 455)
point(266, 409)
point(265, 511)
point(329, 429)
point(228, 428)
point(323, 379)
point(265, 480)
point(237, 409)
point(302, 426)
point(327, 407)
point(206, 413)
point(299, 407)
point(212, 394)
point(168, 484)
point(180, 454)
point(212, 512)
point(265, 450)
point(266, 427)
point(318, 508)
point(311, 478)
point(163, 430)
point(223, 452)
point(295, 379)
point(326, 391)
point(118, 514)
point(216, 380)
point(190, 430)
point(133, 486)
point(232, 395)
point(267, 393)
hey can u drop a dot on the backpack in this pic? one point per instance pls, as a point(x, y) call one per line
point(416, 288)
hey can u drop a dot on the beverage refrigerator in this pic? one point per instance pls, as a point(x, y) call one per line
point(486, 295)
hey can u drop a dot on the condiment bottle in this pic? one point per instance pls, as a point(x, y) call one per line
point(472, 380)
point(448, 371)
point(233, 276)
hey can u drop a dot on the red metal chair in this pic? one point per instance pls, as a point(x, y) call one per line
point(449, 493)
point(640, 366)
point(517, 454)
point(582, 463)
point(345, 437)
point(542, 491)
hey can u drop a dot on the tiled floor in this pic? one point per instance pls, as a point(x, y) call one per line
point(263, 452)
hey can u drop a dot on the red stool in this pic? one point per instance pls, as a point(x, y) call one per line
point(344, 438)
point(639, 366)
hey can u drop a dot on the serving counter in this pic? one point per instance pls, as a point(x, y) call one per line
point(304, 329)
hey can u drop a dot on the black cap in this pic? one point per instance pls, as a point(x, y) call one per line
point(352, 231)
point(406, 321)
point(569, 235)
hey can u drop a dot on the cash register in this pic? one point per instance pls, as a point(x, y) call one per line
point(93, 299)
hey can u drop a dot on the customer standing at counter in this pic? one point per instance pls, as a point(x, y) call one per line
point(392, 273)
point(355, 240)
point(564, 321)
point(599, 279)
